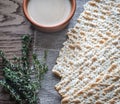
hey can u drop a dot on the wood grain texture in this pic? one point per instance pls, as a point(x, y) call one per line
point(11, 45)
point(12, 19)
point(13, 25)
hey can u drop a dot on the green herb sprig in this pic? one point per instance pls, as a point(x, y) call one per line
point(20, 80)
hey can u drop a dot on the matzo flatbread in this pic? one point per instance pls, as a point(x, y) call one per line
point(92, 47)
point(102, 89)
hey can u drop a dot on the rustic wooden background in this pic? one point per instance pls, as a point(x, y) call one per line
point(13, 25)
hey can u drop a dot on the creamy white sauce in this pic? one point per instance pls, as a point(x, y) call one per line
point(49, 12)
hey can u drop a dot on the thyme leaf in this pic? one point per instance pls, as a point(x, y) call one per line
point(22, 81)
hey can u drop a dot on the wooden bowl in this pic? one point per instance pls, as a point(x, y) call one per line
point(52, 28)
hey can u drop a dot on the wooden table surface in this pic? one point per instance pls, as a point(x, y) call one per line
point(13, 25)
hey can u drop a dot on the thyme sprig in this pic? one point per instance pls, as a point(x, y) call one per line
point(20, 80)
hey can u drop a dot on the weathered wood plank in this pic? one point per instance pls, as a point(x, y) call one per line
point(12, 19)
point(10, 45)
point(13, 26)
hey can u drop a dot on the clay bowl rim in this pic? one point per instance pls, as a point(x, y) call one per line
point(73, 8)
